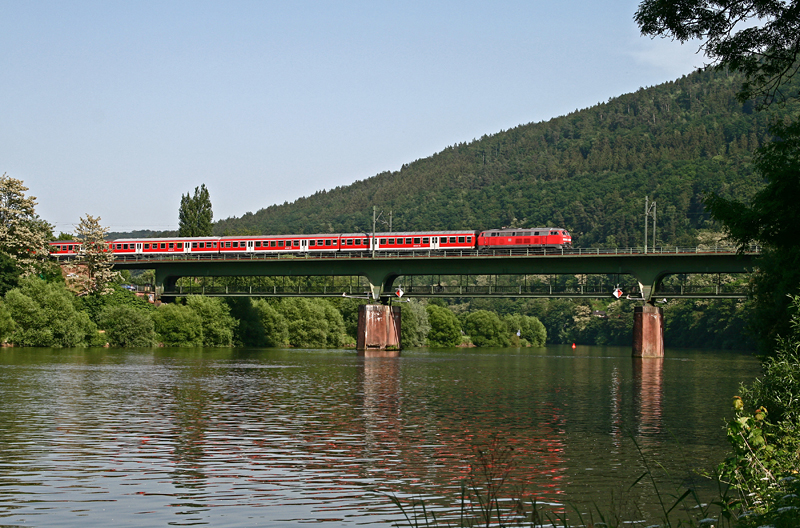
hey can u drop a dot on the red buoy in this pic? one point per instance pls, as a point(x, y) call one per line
point(573, 345)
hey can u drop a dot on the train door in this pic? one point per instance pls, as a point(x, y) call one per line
point(187, 246)
point(249, 248)
point(138, 248)
point(435, 242)
point(303, 246)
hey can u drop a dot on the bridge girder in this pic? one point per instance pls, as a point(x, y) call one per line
point(381, 272)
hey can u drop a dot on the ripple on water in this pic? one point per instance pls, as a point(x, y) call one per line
point(225, 438)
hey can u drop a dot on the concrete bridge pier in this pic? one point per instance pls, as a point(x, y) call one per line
point(648, 331)
point(378, 328)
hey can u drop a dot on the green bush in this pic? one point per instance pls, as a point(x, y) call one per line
point(178, 326)
point(765, 434)
point(307, 322)
point(445, 328)
point(530, 329)
point(94, 304)
point(6, 322)
point(276, 331)
point(128, 327)
point(414, 324)
point(249, 331)
point(45, 315)
point(218, 324)
point(485, 329)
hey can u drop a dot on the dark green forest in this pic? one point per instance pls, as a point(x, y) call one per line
point(588, 171)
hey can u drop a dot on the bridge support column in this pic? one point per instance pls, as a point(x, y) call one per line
point(378, 327)
point(648, 331)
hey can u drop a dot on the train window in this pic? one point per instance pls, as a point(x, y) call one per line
point(258, 243)
point(312, 242)
point(147, 246)
point(227, 244)
point(349, 242)
point(194, 245)
point(416, 240)
point(180, 245)
point(213, 244)
point(327, 242)
point(553, 232)
point(435, 239)
point(202, 245)
point(494, 234)
point(382, 241)
point(366, 242)
point(452, 240)
point(391, 241)
point(297, 243)
point(426, 240)
point(280, 243)
point(460, 240)
point(408, 241)
point(319, 242)
point(171, 245)
point(335, 242)
point(469, 239)
point(162, 246)
point(125, 246)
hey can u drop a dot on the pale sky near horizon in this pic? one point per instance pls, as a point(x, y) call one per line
point(116, 109)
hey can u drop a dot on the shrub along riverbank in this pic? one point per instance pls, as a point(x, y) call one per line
point(47, 313)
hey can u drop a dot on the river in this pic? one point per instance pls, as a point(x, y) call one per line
point(244, 437)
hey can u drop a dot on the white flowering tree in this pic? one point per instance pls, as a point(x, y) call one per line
point(24, 236)
point(94, 259)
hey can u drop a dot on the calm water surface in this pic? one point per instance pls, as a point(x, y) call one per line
point(289, 437)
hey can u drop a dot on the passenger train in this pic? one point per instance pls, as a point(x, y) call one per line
point(512, 238)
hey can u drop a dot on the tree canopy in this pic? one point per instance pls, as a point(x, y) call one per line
point(94, 259)
point(759, 38)
point(195, 215)
point(23, 235)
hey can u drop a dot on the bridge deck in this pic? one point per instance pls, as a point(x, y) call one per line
point(382, 269)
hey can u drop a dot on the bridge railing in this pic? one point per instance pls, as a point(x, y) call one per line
point(521, 252)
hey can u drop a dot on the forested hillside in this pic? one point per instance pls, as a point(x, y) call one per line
point(588, 171)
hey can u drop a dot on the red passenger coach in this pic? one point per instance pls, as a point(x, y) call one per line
point(151, 246)
point(425, 240)
point(543, 237)
point(64, 248)
point(354, 242)
point(203, 246)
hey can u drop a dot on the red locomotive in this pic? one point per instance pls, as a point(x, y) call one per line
point(512, 238)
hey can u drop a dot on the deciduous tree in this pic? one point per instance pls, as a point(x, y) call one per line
point(23, 235)
point(128, 327)
point(218, 324)
point(45, 315)
point(445, 330)
point(95, 258)
point(195, 215)
point(760, 38)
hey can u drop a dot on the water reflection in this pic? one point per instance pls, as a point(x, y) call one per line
point(266, 436)
point(648, 394)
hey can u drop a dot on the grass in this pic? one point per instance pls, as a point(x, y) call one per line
point(483, 502)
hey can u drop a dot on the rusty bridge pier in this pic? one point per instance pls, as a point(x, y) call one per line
point(378, 330)
point(648, 331)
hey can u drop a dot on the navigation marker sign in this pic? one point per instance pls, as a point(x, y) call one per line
point(617, 293)
point(399, 292)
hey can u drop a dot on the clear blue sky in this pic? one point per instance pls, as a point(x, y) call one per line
point(117, 108)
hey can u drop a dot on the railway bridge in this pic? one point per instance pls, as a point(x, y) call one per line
point(381, 269)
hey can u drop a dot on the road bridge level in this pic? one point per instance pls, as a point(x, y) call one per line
point(382, 269)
